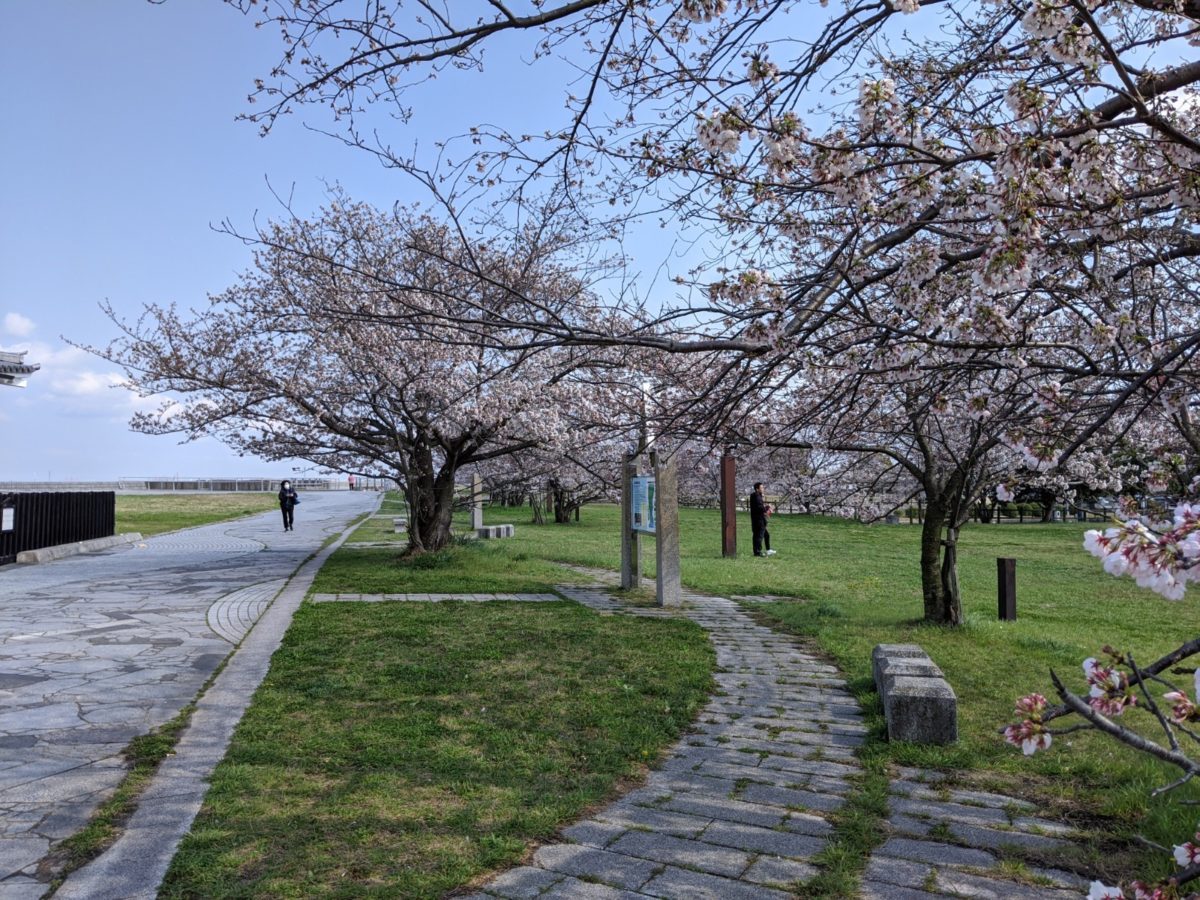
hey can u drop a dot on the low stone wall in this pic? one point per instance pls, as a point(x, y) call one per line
point(918, 703)
point(486, 532)
point(61, 551)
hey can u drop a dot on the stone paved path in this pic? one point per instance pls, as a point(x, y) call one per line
point(739, 807)
point(97, 649)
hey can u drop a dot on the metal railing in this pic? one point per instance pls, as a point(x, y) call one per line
point(30, 521)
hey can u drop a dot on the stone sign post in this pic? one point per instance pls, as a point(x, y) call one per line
point(650, 505)
point(476, 502)
point(666, 533)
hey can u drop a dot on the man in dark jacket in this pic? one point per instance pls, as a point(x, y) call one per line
point(760, 511)
point(287, 504)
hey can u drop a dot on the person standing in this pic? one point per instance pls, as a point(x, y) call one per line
point(760, 512)
point(287, 504)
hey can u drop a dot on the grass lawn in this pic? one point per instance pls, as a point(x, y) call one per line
point(401, 750)
point(404, 749)
point(156, 513)
point(856, 586)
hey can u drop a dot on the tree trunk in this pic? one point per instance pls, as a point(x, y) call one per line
point(939, 565)
point(430, 498)
point(539, 511)
point(952, 608)
point(1048, 499)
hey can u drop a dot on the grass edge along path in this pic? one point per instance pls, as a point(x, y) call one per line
point(859, 825)
point(490, 725)
point(144, 754)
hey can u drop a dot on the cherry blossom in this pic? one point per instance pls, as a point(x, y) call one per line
point(1110, 692)
point(366, 342)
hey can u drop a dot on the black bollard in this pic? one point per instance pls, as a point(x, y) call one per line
point(1006, 584)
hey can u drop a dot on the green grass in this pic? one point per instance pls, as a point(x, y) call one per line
point(402, 750)
point(374, 529)
point(856, 586)
point(150, 514)
point(480, 567)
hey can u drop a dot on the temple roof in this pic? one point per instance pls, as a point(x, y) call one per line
point(13, 368)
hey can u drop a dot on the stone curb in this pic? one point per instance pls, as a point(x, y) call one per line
point(62, 551)
point(134, 866)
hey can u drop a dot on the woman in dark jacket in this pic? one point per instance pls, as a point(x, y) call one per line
point(287, 504)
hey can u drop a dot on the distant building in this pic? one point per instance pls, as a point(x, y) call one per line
point(14, 370)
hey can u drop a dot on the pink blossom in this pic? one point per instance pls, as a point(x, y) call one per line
point(1030, 736)
point(1032, 705)
point(1188, 853)
point(1003, 493)
point(1101, 891)
point(1110, 690)
point(1182, 708)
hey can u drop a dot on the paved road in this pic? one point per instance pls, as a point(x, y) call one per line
point(95, 650)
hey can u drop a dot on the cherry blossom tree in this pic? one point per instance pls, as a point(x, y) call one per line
point(352, 343)
point(967, 272)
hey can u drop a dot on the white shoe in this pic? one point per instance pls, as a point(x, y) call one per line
point(770, 552)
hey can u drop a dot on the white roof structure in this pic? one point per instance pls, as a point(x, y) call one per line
point(14, 370)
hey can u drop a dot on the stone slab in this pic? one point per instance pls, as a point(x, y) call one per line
point(909, 667)
point(679, 883)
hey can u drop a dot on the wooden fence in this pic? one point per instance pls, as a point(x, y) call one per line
point(30, 521)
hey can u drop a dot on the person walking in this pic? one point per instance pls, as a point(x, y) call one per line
point(287, 504)
point(760, 512)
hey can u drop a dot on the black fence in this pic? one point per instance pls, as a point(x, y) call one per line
point(30, 521)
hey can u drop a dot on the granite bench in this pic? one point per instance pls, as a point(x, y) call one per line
point(918, 703)
point(496, 531)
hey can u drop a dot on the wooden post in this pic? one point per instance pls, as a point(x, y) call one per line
point(728, 506)
point(1006, 588)
point(631, 541)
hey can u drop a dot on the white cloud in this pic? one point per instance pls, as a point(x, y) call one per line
point(18, 325)
point(74, 382)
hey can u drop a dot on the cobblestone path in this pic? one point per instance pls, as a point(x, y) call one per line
point(739, 807)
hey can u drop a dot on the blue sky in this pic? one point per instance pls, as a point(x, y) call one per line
point(119, 150)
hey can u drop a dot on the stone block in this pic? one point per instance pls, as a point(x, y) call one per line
point(675, 882)
point(399, 525)
point(613, 869)
point(904, 667)
point(893, 652)
point(492, 532)
point(921, 710)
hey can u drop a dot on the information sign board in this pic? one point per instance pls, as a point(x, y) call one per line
point(6, 519)
point(642, 503)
